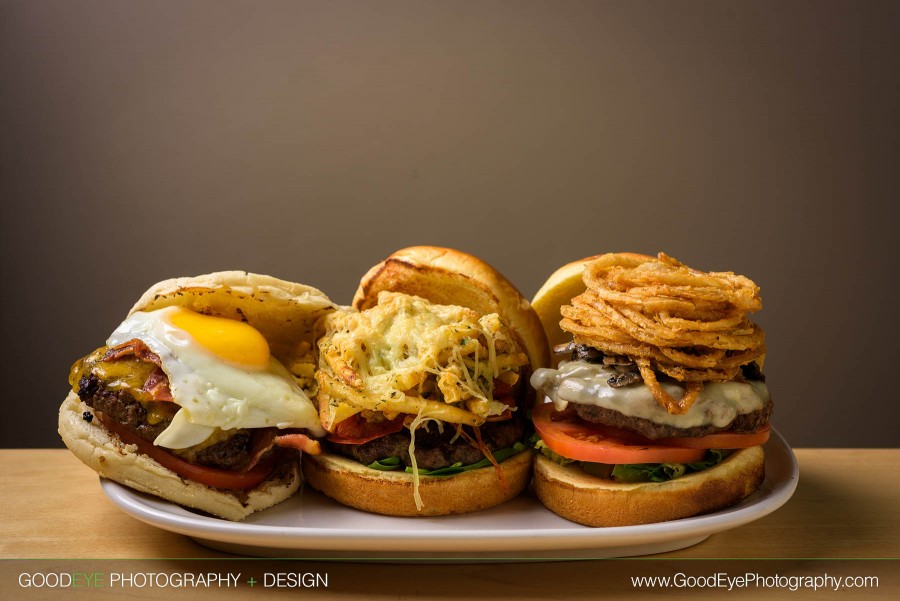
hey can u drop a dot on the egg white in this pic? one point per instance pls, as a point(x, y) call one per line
point(214, 393)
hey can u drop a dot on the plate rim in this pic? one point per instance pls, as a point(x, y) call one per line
point(168, 516)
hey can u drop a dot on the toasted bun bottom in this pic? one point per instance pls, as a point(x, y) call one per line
point(105, 453)
point(571, 493)
point(391, 493)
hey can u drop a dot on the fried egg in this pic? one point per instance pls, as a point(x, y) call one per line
point(221, 374)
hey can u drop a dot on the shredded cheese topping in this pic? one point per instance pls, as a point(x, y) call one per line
point(413, 426)
point(407, 355)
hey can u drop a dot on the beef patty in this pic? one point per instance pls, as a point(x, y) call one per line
point(748, 422)
point(630, 376)
point(434, 448)
point(232, 452)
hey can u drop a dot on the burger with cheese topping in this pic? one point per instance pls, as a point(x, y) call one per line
point(423, 388)
point(202, 395)
point(659, 409)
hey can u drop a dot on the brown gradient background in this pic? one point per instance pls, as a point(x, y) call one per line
point(142, 141)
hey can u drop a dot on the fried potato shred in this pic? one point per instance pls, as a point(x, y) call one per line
point(407, 355)
point(687, 324)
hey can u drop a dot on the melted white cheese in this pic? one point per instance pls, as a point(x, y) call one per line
point(586, 383)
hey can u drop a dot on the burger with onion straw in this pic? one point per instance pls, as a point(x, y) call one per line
point(659, 409)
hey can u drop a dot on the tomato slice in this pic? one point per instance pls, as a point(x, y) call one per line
point(721, 440)
point(357, 430)
point(198, 473)
point(575, 438)
point(510, 403)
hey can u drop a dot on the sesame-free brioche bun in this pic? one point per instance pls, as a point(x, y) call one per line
point(586, 499)
point(571, 493)
point(446, 276)
point(105, 453)
point(285, 313)
point(562, 286)
point(391, 493)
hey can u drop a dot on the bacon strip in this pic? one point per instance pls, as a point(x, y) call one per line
point(157, 385)
point(264, 440)
point(299, 441)
point(268, 438)
point(133, 347)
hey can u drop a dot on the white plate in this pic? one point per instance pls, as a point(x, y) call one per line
point(313, 526)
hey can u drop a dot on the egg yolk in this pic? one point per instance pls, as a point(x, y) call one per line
point(228, 339)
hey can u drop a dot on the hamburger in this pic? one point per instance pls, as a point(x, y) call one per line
point(423, 388)
point(202, 395)
point(660, 407)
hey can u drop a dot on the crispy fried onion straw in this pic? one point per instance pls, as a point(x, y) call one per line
point(687, 324)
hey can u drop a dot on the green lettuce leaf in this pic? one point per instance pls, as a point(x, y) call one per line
point(663, 472)
point(551, 454)
point(394, 463)
point(458, 468)
point(386, 465)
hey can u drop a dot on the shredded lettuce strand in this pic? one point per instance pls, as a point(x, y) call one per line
point(394, 463)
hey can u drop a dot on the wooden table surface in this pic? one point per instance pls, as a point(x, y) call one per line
point(847, 506)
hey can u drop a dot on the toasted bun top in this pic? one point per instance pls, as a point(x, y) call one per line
point(562, 286)
point(446, 276)
point(285, 313)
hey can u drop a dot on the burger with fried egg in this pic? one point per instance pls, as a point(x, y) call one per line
point(202, 395)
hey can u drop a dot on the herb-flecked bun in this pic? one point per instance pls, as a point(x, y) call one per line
point(449, 278)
